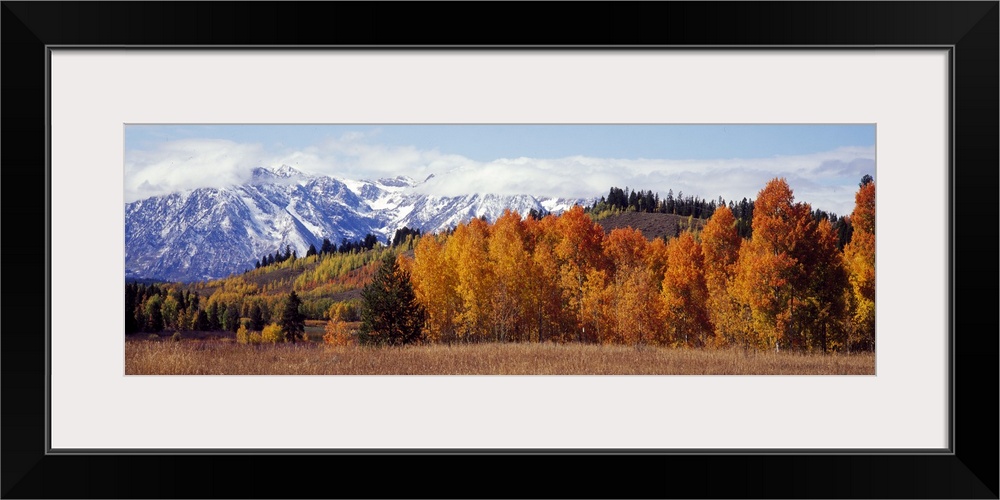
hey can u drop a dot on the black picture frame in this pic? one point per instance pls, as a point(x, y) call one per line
point(969, 470)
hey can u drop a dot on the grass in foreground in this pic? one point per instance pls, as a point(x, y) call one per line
point(225, 357)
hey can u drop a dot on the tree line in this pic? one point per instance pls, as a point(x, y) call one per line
point(155, 308)
point(650, 202)
point(621, 200)
point(327, 247)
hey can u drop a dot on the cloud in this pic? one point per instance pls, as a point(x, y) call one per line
point(827, 180)
point(187, 164)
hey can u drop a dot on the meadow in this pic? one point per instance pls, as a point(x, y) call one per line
point(223, 356)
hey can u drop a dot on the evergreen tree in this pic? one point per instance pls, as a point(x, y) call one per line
point(131, 326)
point(390, 313)
point(256, 317)
point(292, 322)
point(401, 235)
point(311, 251)
point(231, 318)
point(213, 316)
point(200, 322)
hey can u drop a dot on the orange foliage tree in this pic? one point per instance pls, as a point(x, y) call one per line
point(769, 274)
point(545, 302)
point(720, 247)
point(337, 332)
point(596, 319)
point(859, 255)
point(684, 293)
point(578, 251)
point(790, 275)
point(620, 303)
point(636, 311)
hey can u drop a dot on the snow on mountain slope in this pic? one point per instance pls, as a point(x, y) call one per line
point(210, 233)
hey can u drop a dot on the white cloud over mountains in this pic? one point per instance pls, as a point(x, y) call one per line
point(827, 180)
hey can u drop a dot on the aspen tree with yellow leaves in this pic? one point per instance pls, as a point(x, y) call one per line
point(511, 264)
point(859, 255)
point(467, 251)
point(434, 283)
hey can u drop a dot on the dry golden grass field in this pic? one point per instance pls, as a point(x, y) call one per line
point(223, 356)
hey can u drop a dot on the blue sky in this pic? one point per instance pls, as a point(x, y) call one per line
point(490, 142)
point(825, 161)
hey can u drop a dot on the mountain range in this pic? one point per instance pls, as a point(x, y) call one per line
point(210, 233)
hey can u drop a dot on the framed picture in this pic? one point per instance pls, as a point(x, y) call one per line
point(928, 85)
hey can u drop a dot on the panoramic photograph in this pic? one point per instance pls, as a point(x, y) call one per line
point(499, 249)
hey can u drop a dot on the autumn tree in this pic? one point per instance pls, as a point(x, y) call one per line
point(243, 335)
point(597, 319)
point(769, 273)
point(685, 294)
point(578, 251)
point(169, 311)
point(510, 264)
point(859, 255)
point(656, 258)
point(638, 307)
point(624, 248)
point(720, 246)
point(390, 313)
point(790, 275)
point(544, 297)
point(434, 281)
point(272, 334)
point(337, 332)
point(632, 295)
point(467, 250)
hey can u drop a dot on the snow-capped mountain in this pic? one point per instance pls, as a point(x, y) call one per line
point(210, 233)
